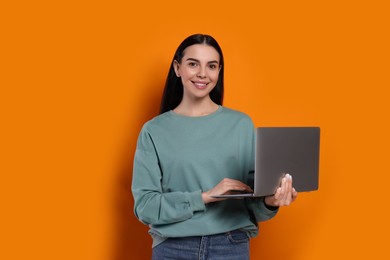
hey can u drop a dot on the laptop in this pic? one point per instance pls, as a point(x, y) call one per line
point(281, 150)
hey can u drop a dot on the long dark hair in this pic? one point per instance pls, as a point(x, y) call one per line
point(173, 91)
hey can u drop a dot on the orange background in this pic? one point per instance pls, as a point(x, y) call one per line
point(79, 78)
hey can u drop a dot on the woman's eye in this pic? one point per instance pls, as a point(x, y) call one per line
point(213, 66)
point(192, 64)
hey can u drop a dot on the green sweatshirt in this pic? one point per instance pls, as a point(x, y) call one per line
point(178, 157)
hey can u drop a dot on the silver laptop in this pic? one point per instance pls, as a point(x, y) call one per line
point(281, 150)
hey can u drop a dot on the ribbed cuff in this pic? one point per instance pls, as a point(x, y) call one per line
point(196, 201)
point(267, 209)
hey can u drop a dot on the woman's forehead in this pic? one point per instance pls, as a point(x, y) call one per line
point(201, 52)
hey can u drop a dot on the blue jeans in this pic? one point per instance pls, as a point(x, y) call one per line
point(232, 245)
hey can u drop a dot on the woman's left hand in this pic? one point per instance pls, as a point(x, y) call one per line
point(284, 195)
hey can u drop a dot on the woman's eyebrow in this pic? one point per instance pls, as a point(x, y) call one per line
point(192, 59)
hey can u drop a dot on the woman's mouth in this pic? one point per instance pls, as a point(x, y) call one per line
point(200, 85)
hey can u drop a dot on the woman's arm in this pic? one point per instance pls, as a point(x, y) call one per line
point(152, 205)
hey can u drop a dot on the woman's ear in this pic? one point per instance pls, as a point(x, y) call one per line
point(176, 66)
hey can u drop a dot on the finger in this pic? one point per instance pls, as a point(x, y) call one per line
point(243, 186)
point(240, 187)
point(234, 186)
point(277, 194)
point(287, 190)
point(280, 192)
point(284, 191)
point(294, 194)
point(290, 190)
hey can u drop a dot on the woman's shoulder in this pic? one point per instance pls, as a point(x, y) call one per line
point(236, 114)
point(156, 121)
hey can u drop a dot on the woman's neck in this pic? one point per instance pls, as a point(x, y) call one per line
point(202, 108)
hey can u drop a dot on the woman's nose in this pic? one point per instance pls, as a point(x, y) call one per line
point(201, 72)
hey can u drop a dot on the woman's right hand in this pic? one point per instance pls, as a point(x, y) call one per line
point(226, 186)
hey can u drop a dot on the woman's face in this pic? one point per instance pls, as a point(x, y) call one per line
point(199, 70)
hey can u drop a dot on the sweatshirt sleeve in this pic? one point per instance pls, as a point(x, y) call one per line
point(151, 204)
point(259, 210)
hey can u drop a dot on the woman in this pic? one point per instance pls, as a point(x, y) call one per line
point(194, 149)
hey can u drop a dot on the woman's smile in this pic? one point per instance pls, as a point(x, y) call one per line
point(200, 85)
